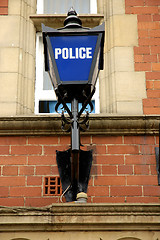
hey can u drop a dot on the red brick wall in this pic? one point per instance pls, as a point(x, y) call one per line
point(123, 170)
point(124, 167)
point(147, 54)
point(3, 7)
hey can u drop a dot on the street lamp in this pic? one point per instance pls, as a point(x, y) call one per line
point(73, 59)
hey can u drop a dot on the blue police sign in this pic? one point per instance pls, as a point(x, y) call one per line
point(73, 56)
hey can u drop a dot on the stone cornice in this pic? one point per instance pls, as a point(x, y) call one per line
point(81, 217)
point(99, 124)
point(57, 20)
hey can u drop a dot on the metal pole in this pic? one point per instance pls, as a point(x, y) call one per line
point(75, 128)
point(75, 147)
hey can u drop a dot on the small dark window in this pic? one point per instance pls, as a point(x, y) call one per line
point(49, 106)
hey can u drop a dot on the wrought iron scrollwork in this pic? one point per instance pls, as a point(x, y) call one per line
point(67, 120)
point(83, 121)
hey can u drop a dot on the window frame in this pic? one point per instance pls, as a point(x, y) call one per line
point(41, 94)
point(49, 95)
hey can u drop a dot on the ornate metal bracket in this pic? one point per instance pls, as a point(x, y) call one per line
point(74, 179)
point(67, 121)
point(83, 123)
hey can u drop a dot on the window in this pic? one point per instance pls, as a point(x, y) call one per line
point(52, 186)
point(45, 98)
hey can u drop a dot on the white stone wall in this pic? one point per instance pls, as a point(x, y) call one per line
point(81, 221)
point(17, 59)
point(121, 88)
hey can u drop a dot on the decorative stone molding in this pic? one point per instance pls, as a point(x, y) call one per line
point(99, 124)
point(57, 20)
point(81, 217)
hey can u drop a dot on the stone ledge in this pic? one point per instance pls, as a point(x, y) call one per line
point(57, 20)
point(99, 125)
point(81, 217)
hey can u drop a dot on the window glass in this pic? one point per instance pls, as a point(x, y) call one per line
point(62, 6)
point(47, 85)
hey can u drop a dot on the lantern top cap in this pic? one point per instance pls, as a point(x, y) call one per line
point(72, 11)
point(72, 21)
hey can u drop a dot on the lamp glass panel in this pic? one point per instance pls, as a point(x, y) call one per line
point(74, 56)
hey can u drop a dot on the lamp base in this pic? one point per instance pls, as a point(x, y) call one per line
point(82, 197)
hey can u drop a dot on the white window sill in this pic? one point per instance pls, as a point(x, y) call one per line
point(57, 20)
